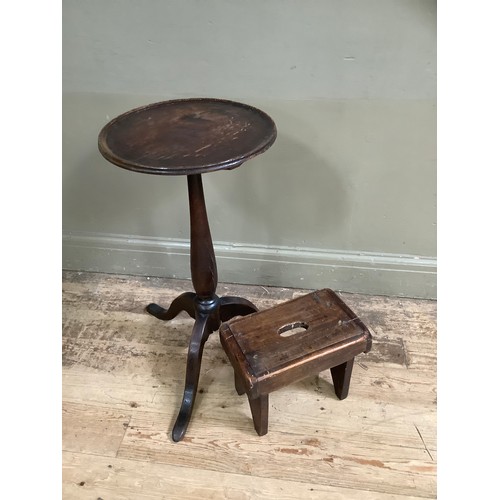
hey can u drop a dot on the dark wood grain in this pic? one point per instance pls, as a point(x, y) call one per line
point(203, 265)
point(326, 334)
point(186, 136)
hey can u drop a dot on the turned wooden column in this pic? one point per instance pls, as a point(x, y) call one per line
point(203, 265)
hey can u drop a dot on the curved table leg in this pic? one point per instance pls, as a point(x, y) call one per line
point(184, 302)
point(196, 344)
point(235, 306)
point(208, 317)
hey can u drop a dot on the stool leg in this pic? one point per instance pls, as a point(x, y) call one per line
point(341, 376)
point(260, 413)
point(238, 384)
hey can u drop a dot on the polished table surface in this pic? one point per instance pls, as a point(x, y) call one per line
point(187, 136)
point(191, 137)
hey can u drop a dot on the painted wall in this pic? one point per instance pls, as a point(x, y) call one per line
point(345, 198)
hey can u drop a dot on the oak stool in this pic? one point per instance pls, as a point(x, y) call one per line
point(291, 341)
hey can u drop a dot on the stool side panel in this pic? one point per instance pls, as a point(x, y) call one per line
point(265, 352)
point(237, 358)
point(308, 366)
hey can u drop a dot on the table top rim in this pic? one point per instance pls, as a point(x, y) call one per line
point(114, 158)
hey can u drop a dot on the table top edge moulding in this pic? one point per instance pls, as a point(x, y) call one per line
point(187, 136)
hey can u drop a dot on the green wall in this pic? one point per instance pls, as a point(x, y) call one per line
point(345, 198)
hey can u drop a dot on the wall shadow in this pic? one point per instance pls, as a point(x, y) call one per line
point(293, 196)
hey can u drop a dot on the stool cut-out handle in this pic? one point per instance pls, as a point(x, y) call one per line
point(293, 328)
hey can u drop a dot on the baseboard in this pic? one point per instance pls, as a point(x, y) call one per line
point(311, 268)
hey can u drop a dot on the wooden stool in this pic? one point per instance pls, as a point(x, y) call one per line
point(291, 341)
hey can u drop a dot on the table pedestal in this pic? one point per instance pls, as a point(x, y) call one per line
point(191, 137)
point(204, 306)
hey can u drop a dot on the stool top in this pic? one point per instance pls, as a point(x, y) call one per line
point(186, 136)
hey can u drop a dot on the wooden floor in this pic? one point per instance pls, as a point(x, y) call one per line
point(123, 376)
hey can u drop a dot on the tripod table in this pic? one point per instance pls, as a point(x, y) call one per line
point(191, 137)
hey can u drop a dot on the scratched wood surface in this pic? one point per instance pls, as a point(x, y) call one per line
point(123, 376)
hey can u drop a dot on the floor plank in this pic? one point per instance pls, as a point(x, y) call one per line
point(87, 477)
point(93, 429)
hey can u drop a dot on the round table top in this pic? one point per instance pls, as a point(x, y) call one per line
point(186, 136)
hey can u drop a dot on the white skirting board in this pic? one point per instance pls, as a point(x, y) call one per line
point(312, 268)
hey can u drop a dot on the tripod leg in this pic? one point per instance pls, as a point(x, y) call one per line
point(235, 306)
point(195, 353)
point(184, 302)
